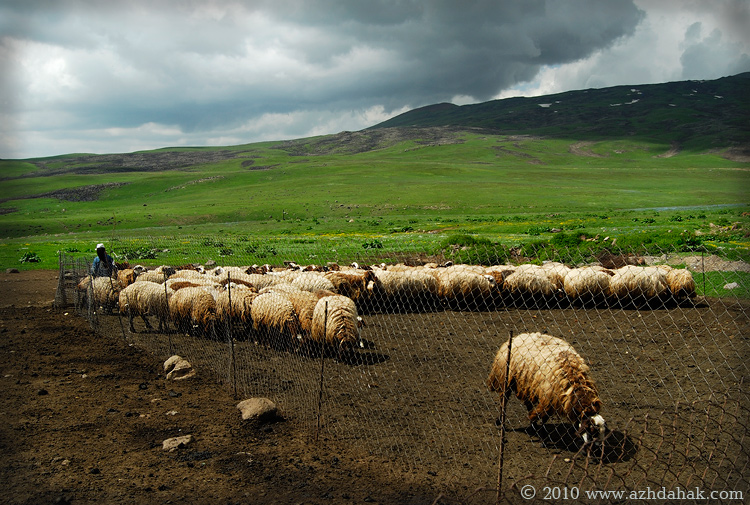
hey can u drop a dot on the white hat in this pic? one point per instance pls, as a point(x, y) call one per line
point(100, 246)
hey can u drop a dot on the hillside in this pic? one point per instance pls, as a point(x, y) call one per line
point(696, 115)
point(625, 175)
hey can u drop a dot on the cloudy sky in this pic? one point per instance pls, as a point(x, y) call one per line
point(102, 76)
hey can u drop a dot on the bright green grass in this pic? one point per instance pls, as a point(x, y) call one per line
point(715, 283)
point(408, 197)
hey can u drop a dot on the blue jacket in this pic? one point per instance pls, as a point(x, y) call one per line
point(102, 269)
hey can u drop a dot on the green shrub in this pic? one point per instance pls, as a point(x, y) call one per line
point(30, 257)
point(373, 244)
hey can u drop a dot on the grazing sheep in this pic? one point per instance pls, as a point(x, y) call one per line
point(335, 322)
point(587, 284)
point(104, 292)
point(530, 283)
point(403, 289)
point(634, 284)
point(681, 283)
point(304, 305)
point(274, 319)
point(312, 281)
point(240, 310)
point(153, 276)
point(193, 310)
point(351, 283)
point(144, 299)
point(466, 287)
point(549, 377)
point(126, 276)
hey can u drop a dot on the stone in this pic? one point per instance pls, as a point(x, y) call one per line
point(12, 271)
point(172, 444)
point(178, 368)
point(731, 285)
point(259, 409)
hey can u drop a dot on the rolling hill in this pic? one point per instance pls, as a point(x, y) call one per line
point(660, 163)
point(696, 115)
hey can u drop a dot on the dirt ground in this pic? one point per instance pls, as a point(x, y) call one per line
point(83, 418)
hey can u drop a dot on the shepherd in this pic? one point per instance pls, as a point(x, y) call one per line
point(103, 265)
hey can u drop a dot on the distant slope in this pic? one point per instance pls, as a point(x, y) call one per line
point(696, 115)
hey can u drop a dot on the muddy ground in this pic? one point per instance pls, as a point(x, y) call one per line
point(83, 415)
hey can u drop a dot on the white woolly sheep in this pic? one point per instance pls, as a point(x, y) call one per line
point(274, 319)
point(104, 292)
point(152, 276)
point(681, 283)
point(466, 287)
point(144, 299)
point(240, 310)
point(549, 377)
point(312, 281)
point(193, 310)
point(589, 284)
point(530, 283)
point(304, 305)
point(634, 284)
point(404, 289)
point(556, 273)
point(336, 323)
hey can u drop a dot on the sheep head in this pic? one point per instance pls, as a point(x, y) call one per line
point(593, 428)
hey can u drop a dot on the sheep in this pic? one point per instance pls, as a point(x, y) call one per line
point(146, 298)
point(126, 276)
point(588, 284)
point(352, 283)
point(335, 322)
point(466, 287)
point(530, 283)
point(240, 310)
point(104, 292)
point(274, 318)
point(549, 377)
point(188, 274)
point(152, 276)
point(556, 272)
point(681, 283)
point(303, 303)
point(193, 310)
point(402, 290)
point(634, 284)
point(312, 281)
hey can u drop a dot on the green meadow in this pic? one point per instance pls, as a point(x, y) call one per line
point(374, 195)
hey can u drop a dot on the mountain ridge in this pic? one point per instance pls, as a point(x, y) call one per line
point(697, 115)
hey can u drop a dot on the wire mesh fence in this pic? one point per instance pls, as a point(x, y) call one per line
point(664, 364)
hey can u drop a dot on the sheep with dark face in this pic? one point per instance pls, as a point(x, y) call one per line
point(143, 299)
point(549, 377)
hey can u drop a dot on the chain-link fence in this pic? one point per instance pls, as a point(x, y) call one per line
point(655, 345)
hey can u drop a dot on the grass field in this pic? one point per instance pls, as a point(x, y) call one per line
point(377, 193)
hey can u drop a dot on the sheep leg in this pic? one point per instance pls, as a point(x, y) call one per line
point(130, 319)
point(537, 414)
point(148, 325)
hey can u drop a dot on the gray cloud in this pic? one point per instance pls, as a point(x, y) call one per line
point(223, 69)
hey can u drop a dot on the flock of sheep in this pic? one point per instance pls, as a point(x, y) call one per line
point(296, 307)
point(282, 301)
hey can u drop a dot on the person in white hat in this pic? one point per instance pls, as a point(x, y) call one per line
point(104, 265)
